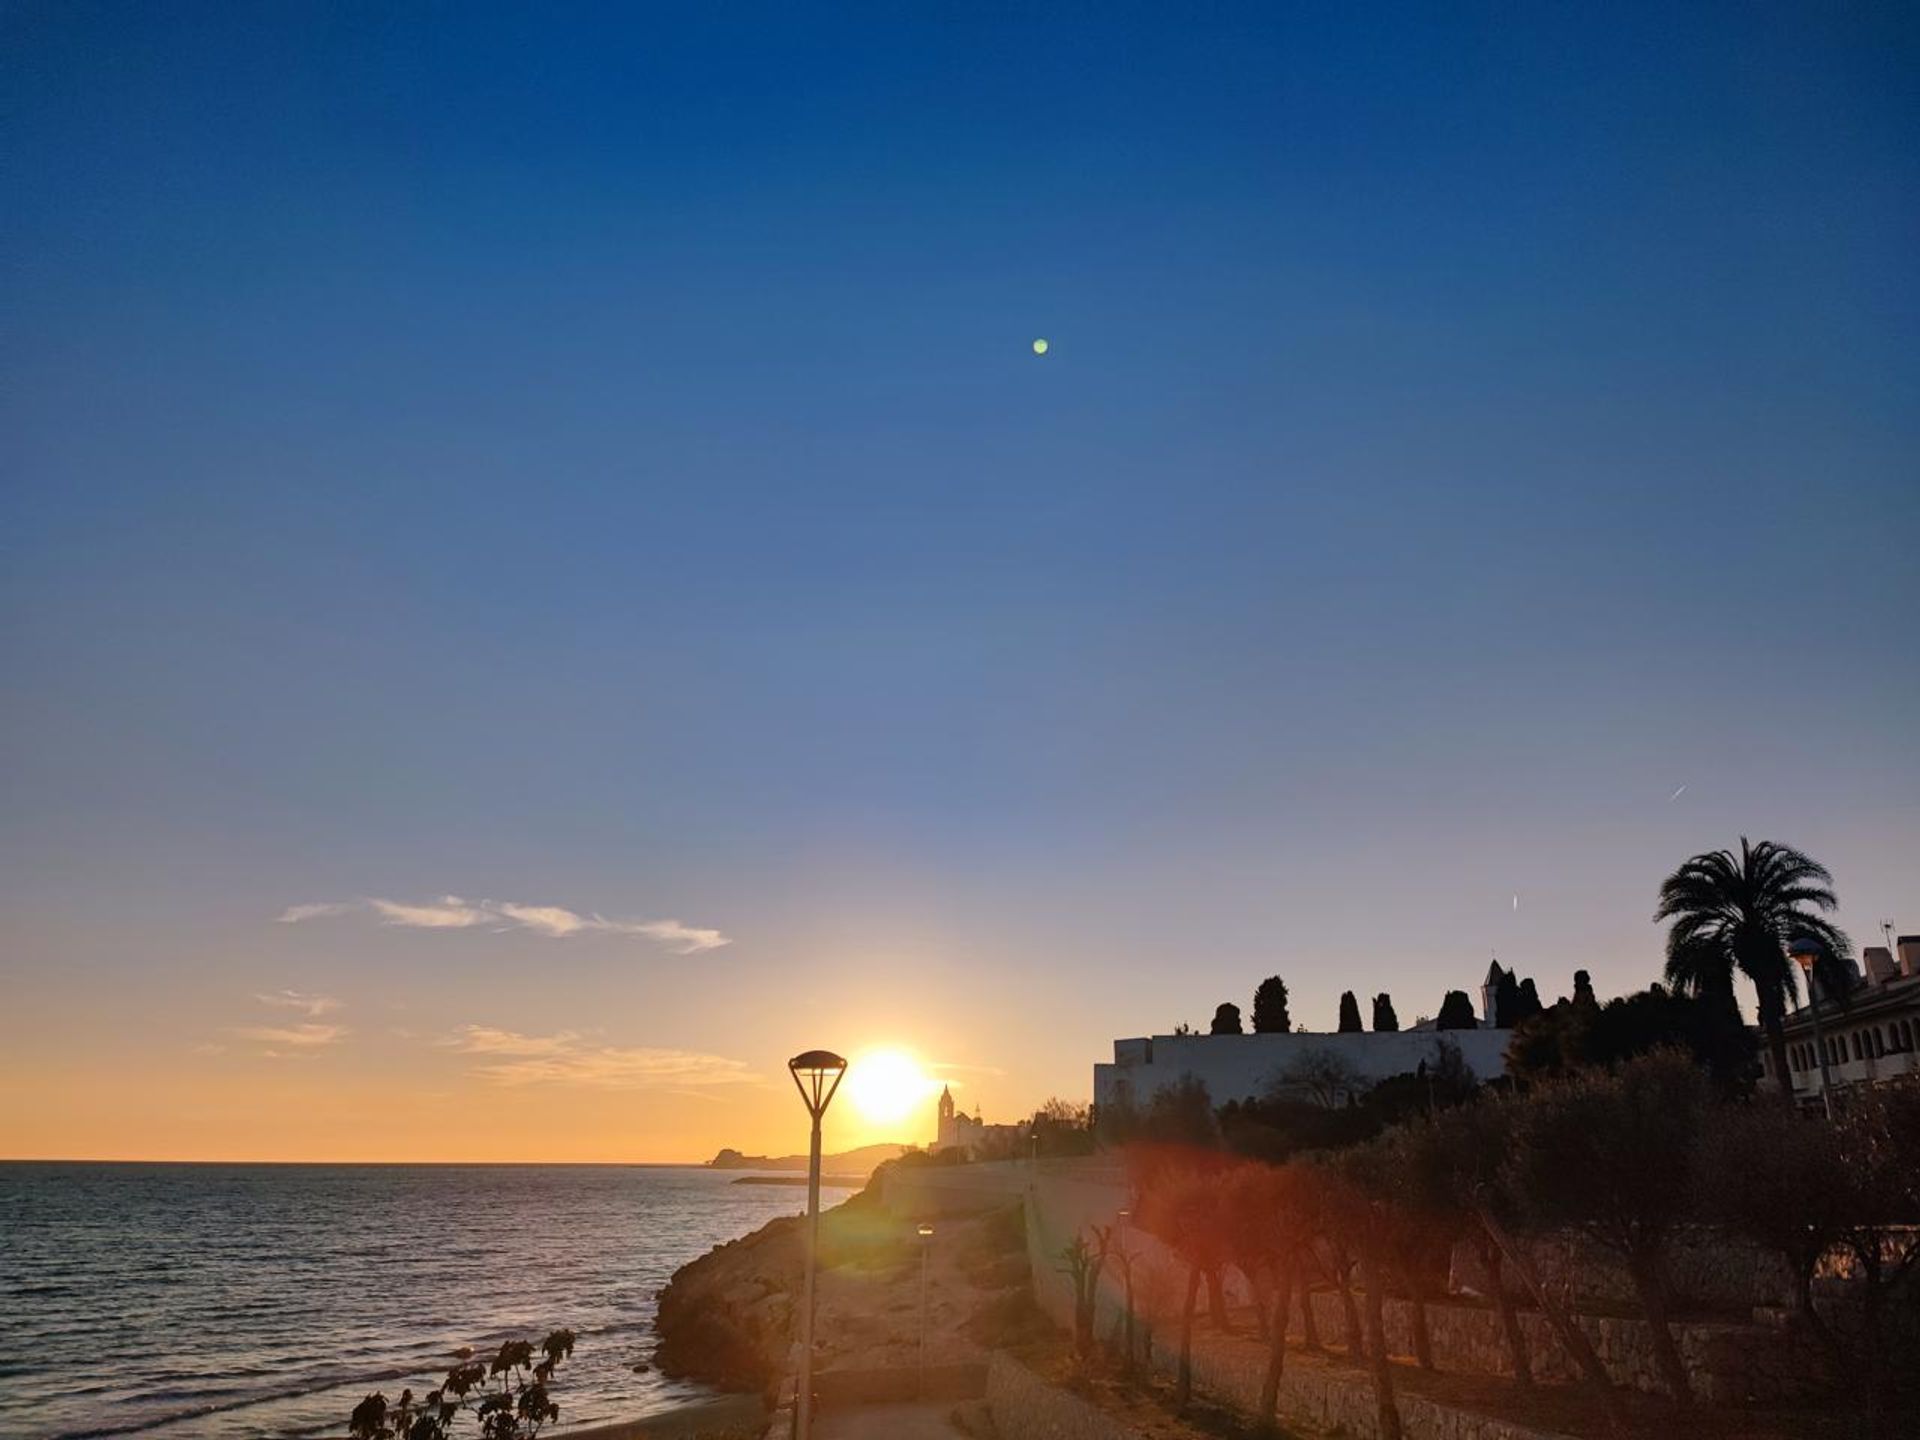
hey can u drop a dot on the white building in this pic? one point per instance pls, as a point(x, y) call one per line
point(1874, 1037)
point(1243, 1067)
point(957, 1130)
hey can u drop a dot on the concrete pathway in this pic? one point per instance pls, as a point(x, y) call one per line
point(888, 1422)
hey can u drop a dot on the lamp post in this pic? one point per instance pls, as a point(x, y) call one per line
point(926, 1249)
point(1805, 952)
point(816, 1075)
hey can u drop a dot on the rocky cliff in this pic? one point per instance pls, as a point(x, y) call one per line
point(727, 1319)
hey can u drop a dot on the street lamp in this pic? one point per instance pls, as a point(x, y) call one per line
point(816, 1075)
point(1806, 951)
point(926, 1249)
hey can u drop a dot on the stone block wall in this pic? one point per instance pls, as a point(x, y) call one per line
point(1705, 1270)
point(1727, 1362)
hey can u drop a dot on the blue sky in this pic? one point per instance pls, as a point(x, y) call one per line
point(594, 458)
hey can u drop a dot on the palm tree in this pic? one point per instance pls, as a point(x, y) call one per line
point(1740, 912)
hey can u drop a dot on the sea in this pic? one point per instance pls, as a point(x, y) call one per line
point(267, 1300)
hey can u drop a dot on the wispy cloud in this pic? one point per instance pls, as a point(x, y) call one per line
point(294, 914)
point(310, 1036)
point(450, 912)
point(564, 1058)
point(312, 1006)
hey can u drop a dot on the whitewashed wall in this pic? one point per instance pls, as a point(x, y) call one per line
point(1239, 1067)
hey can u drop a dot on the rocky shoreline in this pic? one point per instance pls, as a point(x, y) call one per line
point(727, 1318)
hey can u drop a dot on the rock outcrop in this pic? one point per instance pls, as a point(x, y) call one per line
point(727, 1318)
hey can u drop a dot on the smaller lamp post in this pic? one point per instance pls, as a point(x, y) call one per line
point(816, 1074)
point(926, 1249)
point(1806, 953)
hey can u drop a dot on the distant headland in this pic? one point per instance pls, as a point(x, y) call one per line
point(862, 1162)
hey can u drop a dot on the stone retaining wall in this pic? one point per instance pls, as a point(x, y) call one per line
point(1727, 1362)
point(1231, 1369)
point(1707, 1270)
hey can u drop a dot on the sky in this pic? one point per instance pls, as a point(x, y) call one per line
point(541, 574)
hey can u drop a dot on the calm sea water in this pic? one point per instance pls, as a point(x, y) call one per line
point(258, 1300)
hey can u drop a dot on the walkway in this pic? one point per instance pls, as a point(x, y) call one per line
point(888, 1422)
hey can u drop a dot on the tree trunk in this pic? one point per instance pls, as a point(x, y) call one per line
point(1803, 1306)
point(1422, 1341)
point(1389, 1413)
point(1262, 1294)
point(1878, 1418)
point(1571, 1335)
point(1651, 1288)
point(1276, 1347)
point(1517, 1354)
point(1309, 1322)
point(1777, 1053)
point(1183, 1380)
point(1217, 1303)
point(1348, 1313)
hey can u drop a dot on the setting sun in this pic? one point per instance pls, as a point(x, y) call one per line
point(886, 1086)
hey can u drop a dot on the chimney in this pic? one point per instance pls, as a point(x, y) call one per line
point(1909, 948)
point(1879, 962)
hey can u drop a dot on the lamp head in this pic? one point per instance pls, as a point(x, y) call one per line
point(1805, 951)
point(816, 1074)
point(926, 1232)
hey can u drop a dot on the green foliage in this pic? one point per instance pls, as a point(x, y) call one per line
point(507, 1397)
point(1384, 1020)
point(1456, 1012)
point(1349, 1013)
point(1226, 1020)
point(1270, 1015)
point(1780, 1179)
point(1062, 1128)
point(1305, 1112)
point(1613, 1155)
point(1180, 1114)
point(1574, 1036)
point(1738, 914)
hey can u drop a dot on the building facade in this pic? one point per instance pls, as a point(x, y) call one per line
point(1247, 1067)
point(1874, 1037)
point(956, 1130)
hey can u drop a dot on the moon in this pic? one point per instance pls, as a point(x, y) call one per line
point(1040, 347)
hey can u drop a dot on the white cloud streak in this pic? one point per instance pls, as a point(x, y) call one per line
point(564, 1058)
point(294, 914)
point(450, 912)
point(310, 1036)
point(312, 1006)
